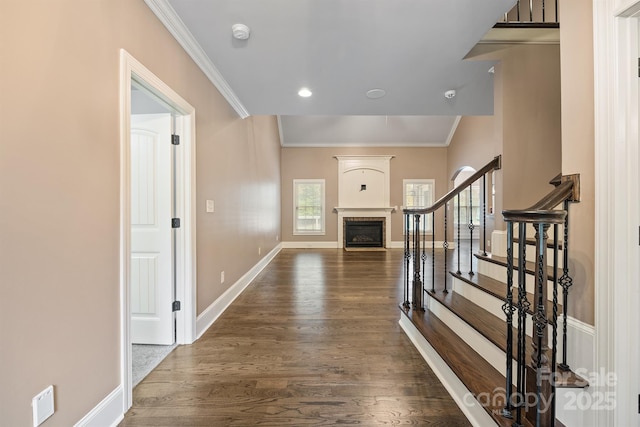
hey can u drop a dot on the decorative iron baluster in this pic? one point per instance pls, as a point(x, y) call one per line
point(458, 248)
point(433, 252)
point(523, 306)
point(471, 227)
point(445, 246)
point(554, 337)
point(423, 255)
point(509, 309)
point(484, 214)
point(407, 259)
point(417, 284)
point(539, 358)
point(566, 282)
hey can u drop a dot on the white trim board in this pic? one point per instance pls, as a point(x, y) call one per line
point(211, 313)
point(131, 69)
point(107, 413)
point(469, 406)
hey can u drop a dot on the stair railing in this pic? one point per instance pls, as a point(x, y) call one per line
point(415, 244)
point(531, 14)
point(538, 377)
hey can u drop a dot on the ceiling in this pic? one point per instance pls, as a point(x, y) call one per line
point(412, 49)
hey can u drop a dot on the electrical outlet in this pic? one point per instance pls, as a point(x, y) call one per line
point(210, 206)
point(222, 277)
point(259, 250)
point(43, 406)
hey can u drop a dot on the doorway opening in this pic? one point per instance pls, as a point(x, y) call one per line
point(157, 274)
point(466, 208)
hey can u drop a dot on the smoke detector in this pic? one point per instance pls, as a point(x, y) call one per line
point(450, 94)
point(240, 31)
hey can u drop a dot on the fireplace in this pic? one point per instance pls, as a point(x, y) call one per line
point(364, 232)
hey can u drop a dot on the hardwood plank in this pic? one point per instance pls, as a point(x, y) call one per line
point(529, 265)
point(313, 341)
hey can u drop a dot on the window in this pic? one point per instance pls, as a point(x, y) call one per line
point(308, 206)
point(419, 193)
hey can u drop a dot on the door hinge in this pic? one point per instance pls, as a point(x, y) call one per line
point(175, 306)
point(175, 222)
point(175, 139)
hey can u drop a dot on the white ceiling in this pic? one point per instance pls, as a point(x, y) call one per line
point(340, 49)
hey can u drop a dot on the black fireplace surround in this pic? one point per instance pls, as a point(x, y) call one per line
point(363, 234)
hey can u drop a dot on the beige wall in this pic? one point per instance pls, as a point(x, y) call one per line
point(59, 193)
point(525, 127)
point(576, 42)
point(316, 163)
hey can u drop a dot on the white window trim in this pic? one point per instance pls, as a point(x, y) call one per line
point(428, 231)
point(321, 232)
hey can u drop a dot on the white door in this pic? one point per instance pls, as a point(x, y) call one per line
point(152, 318)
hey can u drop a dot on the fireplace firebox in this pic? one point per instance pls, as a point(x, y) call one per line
point(364, 233)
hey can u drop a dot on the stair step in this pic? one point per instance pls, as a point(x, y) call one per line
point(478, 376)
point(498, 290)
point(494, 330)
point(529, 266)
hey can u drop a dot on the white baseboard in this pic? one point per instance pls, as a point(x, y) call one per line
point(109, 412)
point(469, 406)
point(211, 313)
point(309, 245)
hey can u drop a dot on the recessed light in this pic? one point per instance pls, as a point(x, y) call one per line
point(376, 93)
point(305, 93)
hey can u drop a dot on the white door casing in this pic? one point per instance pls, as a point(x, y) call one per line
point(152, 319)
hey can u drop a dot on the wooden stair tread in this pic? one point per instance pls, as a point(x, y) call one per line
point(529, 265)
point(498, 289)
point(476, 374)
point(494, 329)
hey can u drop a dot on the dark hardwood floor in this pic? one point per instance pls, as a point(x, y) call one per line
point(313, 341)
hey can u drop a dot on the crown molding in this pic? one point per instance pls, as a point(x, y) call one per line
point(170, 19)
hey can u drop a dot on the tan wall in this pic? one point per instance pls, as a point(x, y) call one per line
point(576, 42)
point(525, 127)
point(310, 163)
point(59, 193)
point(531, 123)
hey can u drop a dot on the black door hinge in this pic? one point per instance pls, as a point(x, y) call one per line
point(175, 306)
point(175, 139)
point(175, 222)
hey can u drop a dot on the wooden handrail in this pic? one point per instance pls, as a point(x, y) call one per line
point(494, 164)
point(541, 211)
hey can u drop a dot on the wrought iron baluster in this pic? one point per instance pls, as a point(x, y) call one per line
point(433, 252)
point(407, 259)
point(554, 338)
point(523, 306)
point(458, 248)
point(543, 12)
point(530, 10)
point(471, 227)
point(417, 284)
point(538, 357)
point(509, 309)
point(423, 255)
point(445, 246)
point(484, 214)
point(566, 282)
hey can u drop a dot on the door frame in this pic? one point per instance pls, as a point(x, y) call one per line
point(617, 209)
point(132, 69)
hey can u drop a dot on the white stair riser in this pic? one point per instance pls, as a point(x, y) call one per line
point(499, 272)
point(494, 306)
point(485, 348)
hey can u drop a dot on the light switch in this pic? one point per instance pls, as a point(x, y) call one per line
point(210, 206)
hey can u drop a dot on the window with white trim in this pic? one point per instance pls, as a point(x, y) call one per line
point(418, 193)
point(308, 206)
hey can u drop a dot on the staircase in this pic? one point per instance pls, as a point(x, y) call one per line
point(493, 325)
